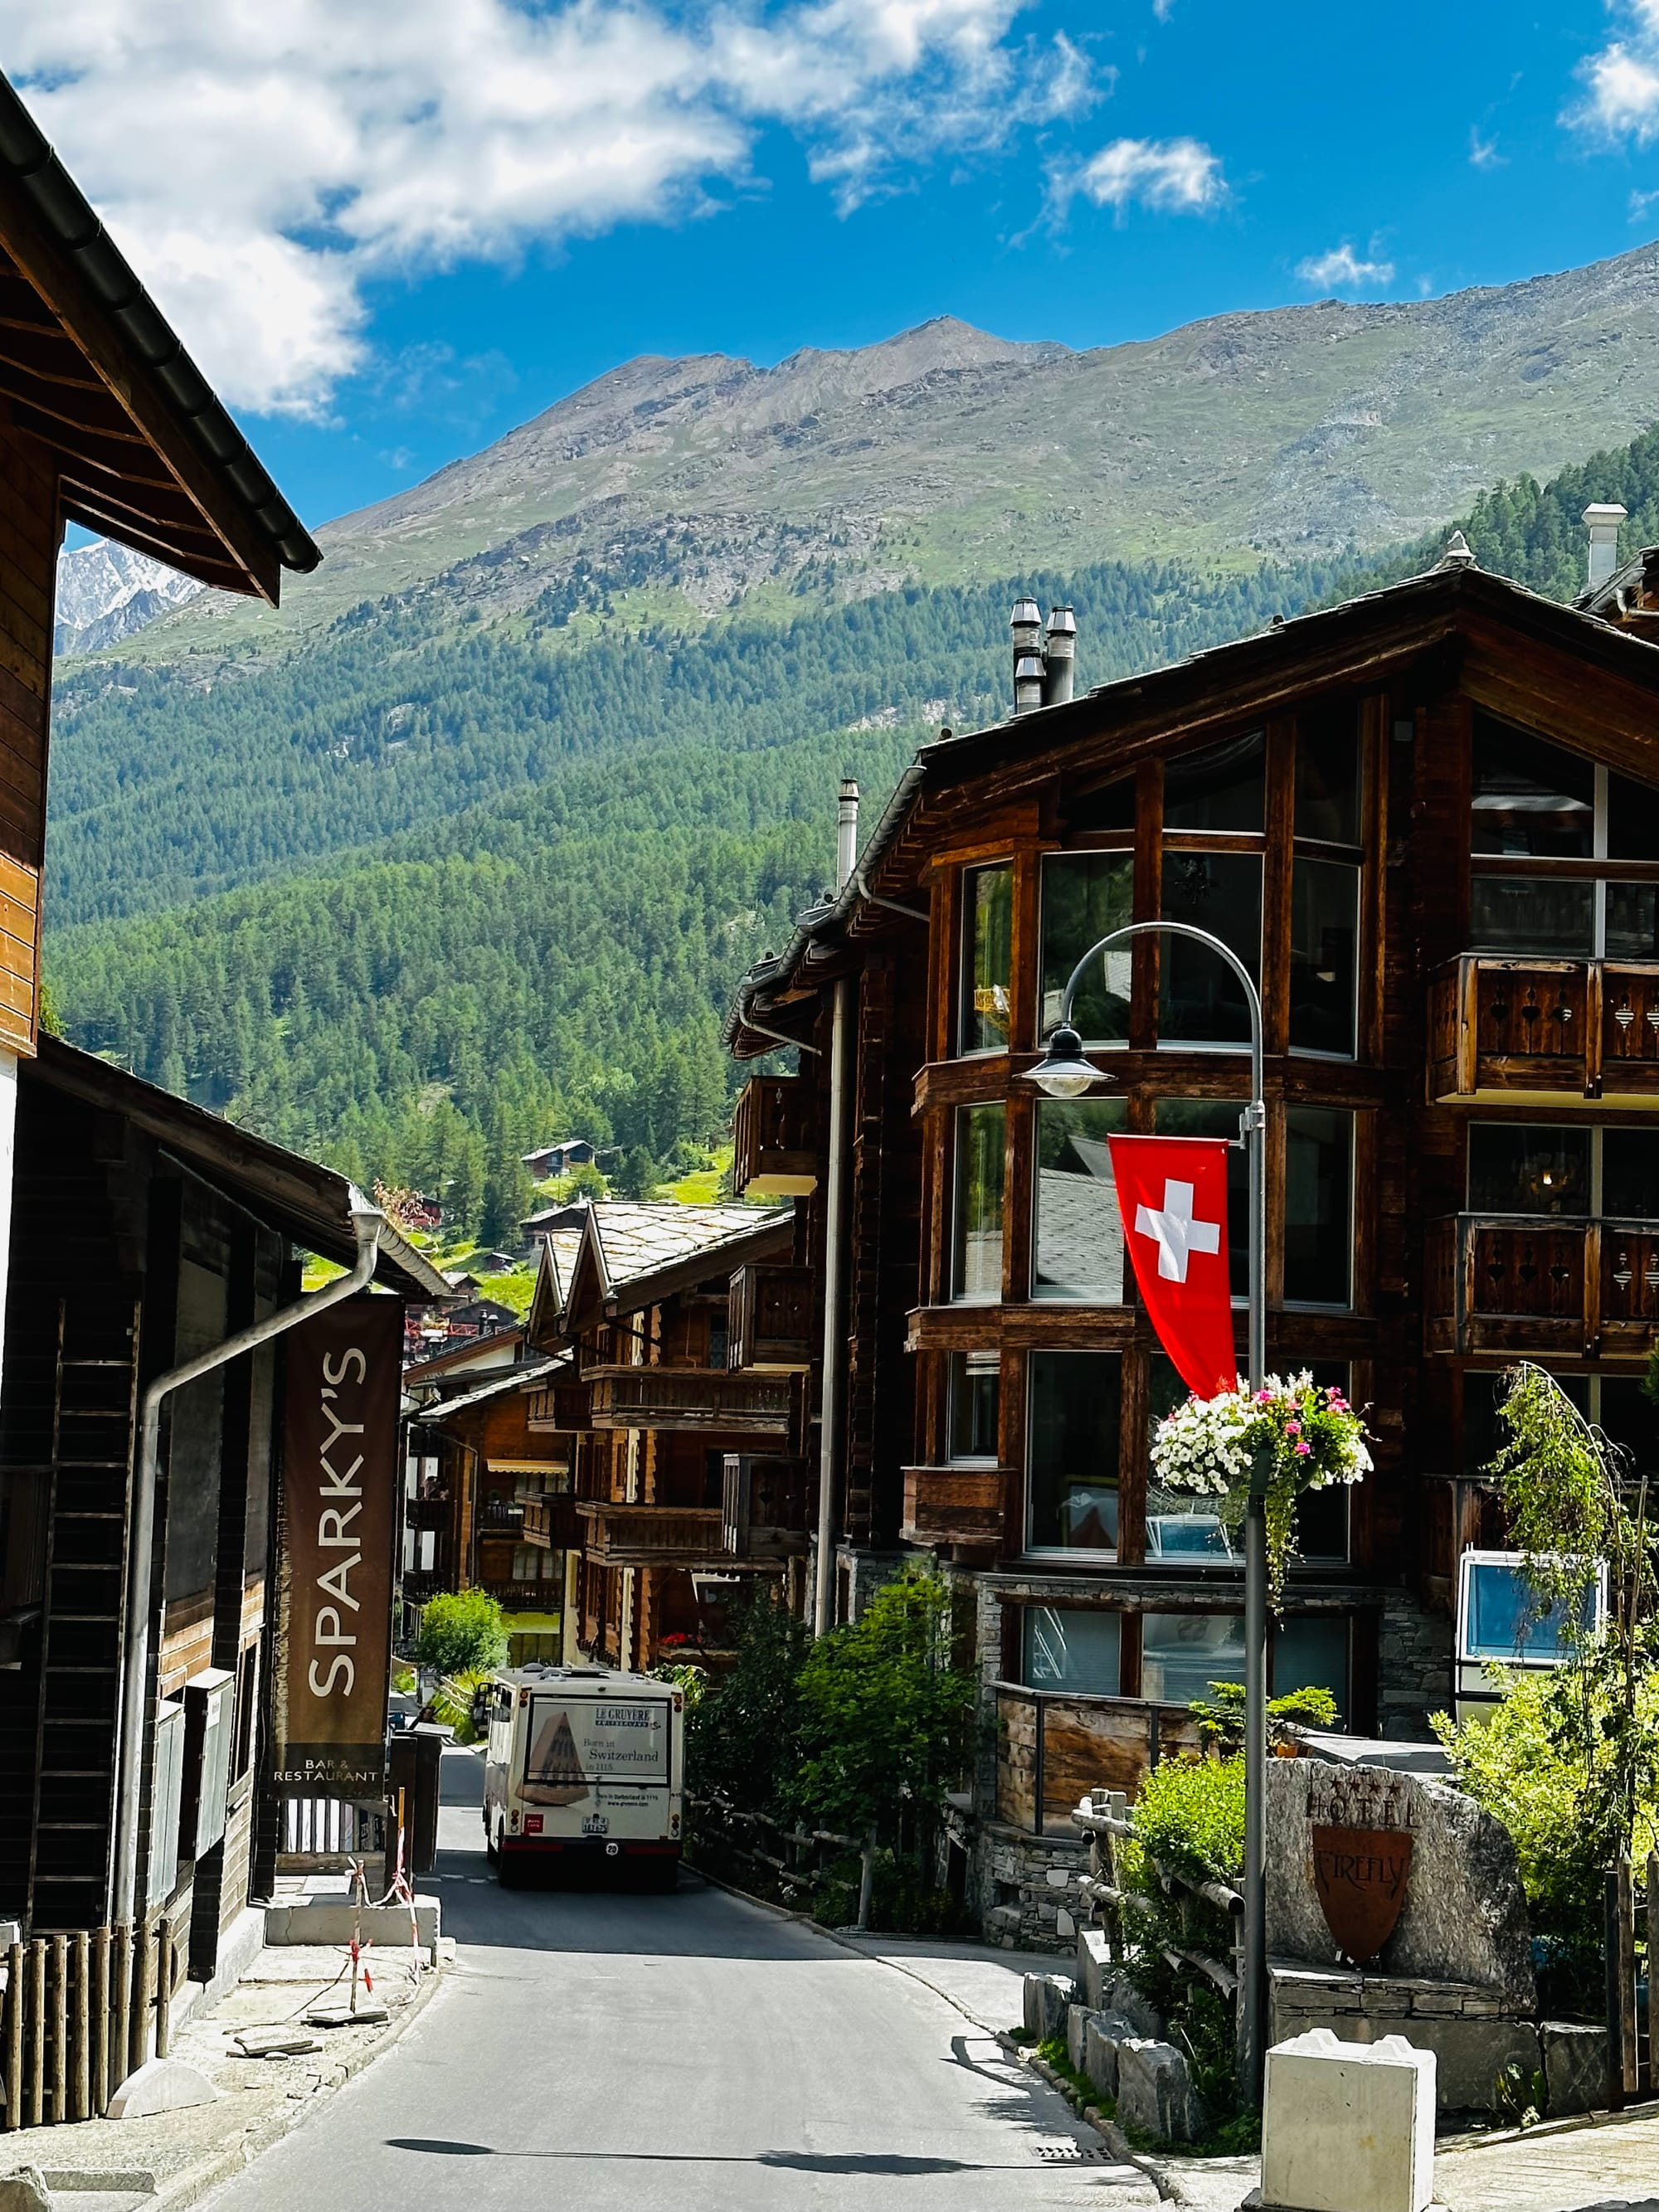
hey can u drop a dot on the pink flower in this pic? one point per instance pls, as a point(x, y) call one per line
point(1264, 1397)
point(1292, 1428)
point(1303, 1450)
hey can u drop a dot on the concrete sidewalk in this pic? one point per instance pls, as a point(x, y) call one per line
point(170, 2160)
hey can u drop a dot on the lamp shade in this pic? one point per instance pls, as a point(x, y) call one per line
point(1062, 1071)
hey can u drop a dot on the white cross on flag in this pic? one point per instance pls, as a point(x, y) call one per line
point(1172, 1194)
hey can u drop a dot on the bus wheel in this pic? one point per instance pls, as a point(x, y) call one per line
point(492, 1849)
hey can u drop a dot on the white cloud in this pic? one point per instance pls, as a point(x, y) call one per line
point(1180, 175)
point(259, 164)
point(1341, 270)
point(1621, 83)
point(1483, 152)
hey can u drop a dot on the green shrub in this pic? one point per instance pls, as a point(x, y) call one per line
point(461, 1632)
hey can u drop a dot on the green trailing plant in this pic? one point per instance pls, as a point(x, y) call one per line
point(1220, 1717)
point(462, 1632)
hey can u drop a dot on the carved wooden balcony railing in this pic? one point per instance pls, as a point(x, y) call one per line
point(952, 1504)
point(773, 1152)
point(699, 1399)
point(1515, 1283)
point(559, 1406)
point(515, 1596)
point(771, 1317)
point(652, 1535)
point(1578, 1029)
point(427, 1513)
point(764, 1507)
point(550, 1522)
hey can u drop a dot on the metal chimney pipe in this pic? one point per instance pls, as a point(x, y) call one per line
point(847, 832)
point(1060, 656)
point(1028, 683)
point(1026, 625)
point(1603, 523)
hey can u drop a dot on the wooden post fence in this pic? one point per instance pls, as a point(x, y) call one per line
point(75, 2020)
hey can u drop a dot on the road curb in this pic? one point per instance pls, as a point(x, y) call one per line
point(197, 2181)
point(1109, 2132)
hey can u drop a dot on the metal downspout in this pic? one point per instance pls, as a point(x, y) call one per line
point(367, 1221)
point(832, 1394)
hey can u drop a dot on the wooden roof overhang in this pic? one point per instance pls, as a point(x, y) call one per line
point(1524, 657)
point(309, 1204)
point(143, 449)
point(593, 1297)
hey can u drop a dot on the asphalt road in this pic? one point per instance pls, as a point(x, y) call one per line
point(626, 2053)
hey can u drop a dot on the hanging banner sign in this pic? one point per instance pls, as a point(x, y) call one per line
point(1172, 1194)
point(339, 1532)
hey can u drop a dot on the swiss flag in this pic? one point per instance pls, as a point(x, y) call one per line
point(1172, 1194)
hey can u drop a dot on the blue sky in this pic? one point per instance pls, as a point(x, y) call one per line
point(391, 229)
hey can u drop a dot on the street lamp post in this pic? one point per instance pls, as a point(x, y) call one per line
point(1064, 1073)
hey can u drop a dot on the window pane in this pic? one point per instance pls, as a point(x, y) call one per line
point(1516, 1169)
point(1073, 1401)
point(975, 1396)
point(1200, 1002)
point(1217, 1117)
point(979, 1202)
point(1114, 808)
point(1085, 897)
point(1080, 1231)
point(1324, 950)
point(1633, 921)
point(987, 916)
point(1181, 1527)
point(1629, 1174)
point(1532, 914)
point(1328, 777)
point(1502, 1621)
point(1183, 1653)
point(1631, 1421)
point(1072, 1648)
point(1309, 1651)
point(1222, 787)
point(1318, 1206)
point(1530, 798)
point(1632, 819)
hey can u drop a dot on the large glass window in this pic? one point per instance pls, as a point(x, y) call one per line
point(1324, 956)
point(1080, 1231)
point(1086, 896)
point(1223, 787)
point(1183, 1528)
point(1629, 1174)
point(1531, 800)
point(975, 1388)
point(1520, 1168)
point(977, 1272)
point(1328, 777)
point(1632, 923)
point(1547, 916)
point(987, 919)
point(1219, 1117)
point(1632, 819)
point(1072, 1648)
point(1182, 1654)
point(1200, 999)
point(1318, 1206)
point(1073, 1403)
point(1309, 1651)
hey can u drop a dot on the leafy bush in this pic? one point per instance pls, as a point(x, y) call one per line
point(461, 1632)
point(742, 1741)
point(1220, 1717)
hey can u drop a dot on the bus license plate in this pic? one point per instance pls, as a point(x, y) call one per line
point(595, 1824)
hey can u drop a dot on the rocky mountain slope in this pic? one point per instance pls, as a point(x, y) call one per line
point(948, 455)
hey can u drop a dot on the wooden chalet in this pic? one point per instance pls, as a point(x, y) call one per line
point(1428, 820)
point(690, 1432)
point(146, 1232)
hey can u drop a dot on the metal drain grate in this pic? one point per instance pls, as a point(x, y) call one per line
point(1073, 2154)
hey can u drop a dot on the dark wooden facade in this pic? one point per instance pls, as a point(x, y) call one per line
point(1430, 822)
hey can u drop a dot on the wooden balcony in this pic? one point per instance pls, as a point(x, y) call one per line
point(700, 1400)
point(1517, 1284)
point(549, 1523)
point(1549, 1028)
point(427, 1513)
point(652, 1535)
point(952, 1504)
point(764, 1509)
point(773, 1152)
point(560, 1407)
point(770, 1326)
point(515, 1596)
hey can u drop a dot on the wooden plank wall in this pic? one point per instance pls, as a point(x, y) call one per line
point(28, 553)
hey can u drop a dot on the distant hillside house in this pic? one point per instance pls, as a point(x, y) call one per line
point(551, 1160)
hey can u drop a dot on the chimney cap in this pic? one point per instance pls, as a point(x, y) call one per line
point(1457, 553)
point(1027, 668)
point(1598, 512)
point(1062, 622)
point(1026, 614)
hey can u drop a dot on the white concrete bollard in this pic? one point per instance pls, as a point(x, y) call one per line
point(1347, 2127)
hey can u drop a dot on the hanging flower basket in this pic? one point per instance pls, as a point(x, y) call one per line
point(1287, 1437)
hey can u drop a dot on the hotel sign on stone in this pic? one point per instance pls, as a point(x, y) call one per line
point(338, 1538)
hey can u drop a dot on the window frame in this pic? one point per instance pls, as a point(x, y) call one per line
point(966, 915)
point(1085, 1556)
point(960, 1297)
point(1350, 1115)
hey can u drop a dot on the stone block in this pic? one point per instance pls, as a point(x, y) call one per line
point(162, 2085)
point(1102, 2035)
point(1057, 1877)
point(1154, 2091)
point(1575, 2066)
point(1065, 1925)
point(1095, 1970)
point(1077, 2018)
point(1123, 1996)
point(1470, 2054)
point(23, 2190)
point(1348, 2127)
point(334, 1922)
point(1048, 1997)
